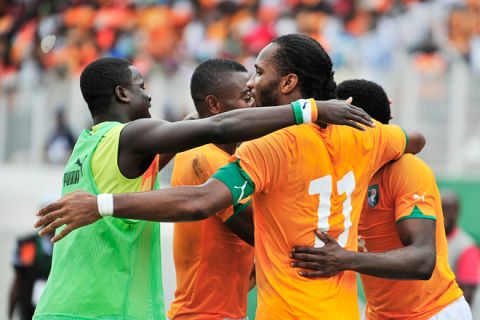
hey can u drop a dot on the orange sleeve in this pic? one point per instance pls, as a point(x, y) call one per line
point(196, 170)
point(412, 185)
point(266, 159)
point(390, 142)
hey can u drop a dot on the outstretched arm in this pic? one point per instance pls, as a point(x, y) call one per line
point(147, 136)
point(185, 203)
point(230, 185)
point(416, 260)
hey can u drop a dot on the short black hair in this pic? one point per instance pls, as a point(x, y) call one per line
point(305, 57)
point(99, 79)
point(210, 75)
point(367, 95)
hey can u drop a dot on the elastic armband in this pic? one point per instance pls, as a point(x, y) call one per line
point(237, 181)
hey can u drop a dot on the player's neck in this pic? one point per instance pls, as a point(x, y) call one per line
point(289, 98)
point(111, 115)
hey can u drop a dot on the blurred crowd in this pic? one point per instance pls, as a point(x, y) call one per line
point(166, 33)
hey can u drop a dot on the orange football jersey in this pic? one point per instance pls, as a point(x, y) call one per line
point(307, 178)
point(212, 264)
point(404, 189)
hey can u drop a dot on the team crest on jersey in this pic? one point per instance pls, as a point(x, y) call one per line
point(373, 195)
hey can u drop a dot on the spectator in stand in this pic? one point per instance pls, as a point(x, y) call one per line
point(169, 33)
point(463, 254)
point(61, 141)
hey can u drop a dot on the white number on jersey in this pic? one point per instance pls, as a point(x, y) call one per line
point(323, 187)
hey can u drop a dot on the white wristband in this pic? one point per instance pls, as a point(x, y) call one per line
point(306, 110)
point(105, 204)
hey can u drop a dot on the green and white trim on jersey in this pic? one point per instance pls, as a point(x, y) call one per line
point(416, 214)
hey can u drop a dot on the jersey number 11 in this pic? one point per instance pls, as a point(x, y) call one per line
point(323, 187)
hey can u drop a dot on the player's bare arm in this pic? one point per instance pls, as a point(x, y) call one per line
point(184, 203)
point(415, 261)
point(146, 136)
point(179, 136)
point(166, 157)
point(176, 204)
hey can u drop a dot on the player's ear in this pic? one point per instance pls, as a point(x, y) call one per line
point(213, 104)
point(121, 94)
point(288, 83)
